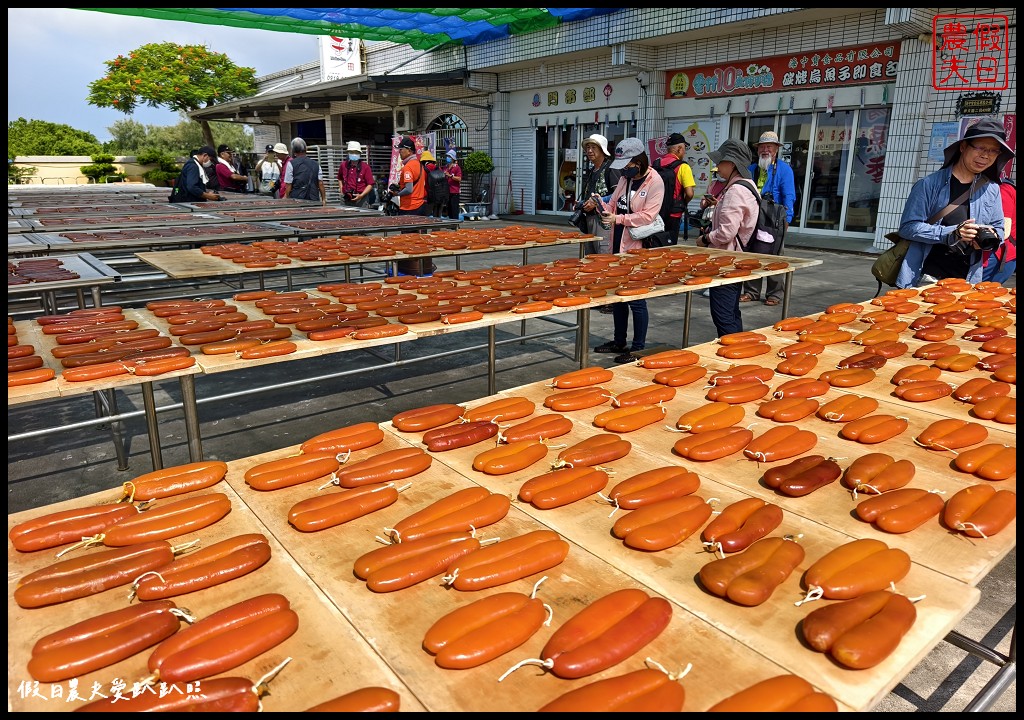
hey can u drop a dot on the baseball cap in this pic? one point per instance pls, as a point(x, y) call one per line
point(223, 148)
point(354, 146)
point(280, 148)
point(269, 148)
point(676, 139)
point(408, 143)
point(206, 150)
point(625, 151)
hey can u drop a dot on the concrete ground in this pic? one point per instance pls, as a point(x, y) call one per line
point(236, 423)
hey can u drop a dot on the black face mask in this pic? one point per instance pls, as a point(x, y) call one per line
point(630, 172)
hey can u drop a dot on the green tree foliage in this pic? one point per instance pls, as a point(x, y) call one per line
point(19, 175)
point(476, 165)
point(127, 137)
point(178, 140)
point(37, 137)
point(180, 77)
point(102, 168)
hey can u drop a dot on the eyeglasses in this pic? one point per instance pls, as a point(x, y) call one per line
point(984, 151)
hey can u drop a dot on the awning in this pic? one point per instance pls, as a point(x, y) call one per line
point(317, 98)
point(422, 28)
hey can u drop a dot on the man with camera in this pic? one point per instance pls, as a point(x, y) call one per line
point(955, 215)
point(355, 179)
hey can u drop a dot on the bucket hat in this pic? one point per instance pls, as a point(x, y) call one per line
point(280, 149)
point(736, 152)
point(600, 140)
point(625, 151)
point(427, 156)
point(354, 146)
point(984, 128)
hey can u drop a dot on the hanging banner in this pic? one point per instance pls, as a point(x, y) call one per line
point(339, 58)
point(811, 70)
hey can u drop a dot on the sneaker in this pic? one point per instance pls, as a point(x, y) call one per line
point(610, 347)
point(706, 292)
point(626, 357)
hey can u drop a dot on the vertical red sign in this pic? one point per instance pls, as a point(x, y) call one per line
point(970, 52)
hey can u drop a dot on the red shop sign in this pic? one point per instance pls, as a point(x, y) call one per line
point(858, 65)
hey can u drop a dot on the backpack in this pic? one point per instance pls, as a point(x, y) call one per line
point(672, 202)
point(771, 218)
point(437, 186)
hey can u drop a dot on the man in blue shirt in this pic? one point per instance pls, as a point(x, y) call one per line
point(774, 177)
point(191, 184)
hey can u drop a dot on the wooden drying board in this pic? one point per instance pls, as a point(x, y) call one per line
point(931, 545)
point(328, 656)
point(767, 629)
point(394, 623)
point(181, 264)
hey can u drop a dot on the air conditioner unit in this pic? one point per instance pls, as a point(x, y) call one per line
point(405, 118)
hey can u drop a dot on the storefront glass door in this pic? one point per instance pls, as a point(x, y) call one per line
point(866, 174)
point(830, 159)
point(796, 143)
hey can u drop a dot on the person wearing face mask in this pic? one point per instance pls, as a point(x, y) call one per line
point(355, 179)
point(453, 172)
point(268, 172)
point(734, 218)
point(635, 202)
point(191, 183)
point(773, 176)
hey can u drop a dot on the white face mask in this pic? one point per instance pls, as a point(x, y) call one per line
point(208, 164)
point(353, 157)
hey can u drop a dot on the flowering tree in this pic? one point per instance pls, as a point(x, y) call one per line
point(180, 77)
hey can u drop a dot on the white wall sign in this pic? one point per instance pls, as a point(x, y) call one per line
point(339, 58)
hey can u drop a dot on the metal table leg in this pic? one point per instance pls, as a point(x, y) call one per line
point(96, 300)
point(152, 427)
point(108, 399)
point(583, 320)
point(688, 305)
point(189, 407)
point(288, 279)
point(492, 385)
point(787, 290)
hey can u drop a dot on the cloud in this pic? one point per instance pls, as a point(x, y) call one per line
point(54, 53)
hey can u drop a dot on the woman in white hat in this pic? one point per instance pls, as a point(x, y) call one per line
point(355, 179)
point(599, 179)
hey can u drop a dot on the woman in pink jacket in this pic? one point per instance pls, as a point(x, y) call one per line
point(635, 201)
point(733, 223)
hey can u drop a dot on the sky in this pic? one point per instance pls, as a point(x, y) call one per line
point(53, 55)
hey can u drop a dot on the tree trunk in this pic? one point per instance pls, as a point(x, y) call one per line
point(207, 133)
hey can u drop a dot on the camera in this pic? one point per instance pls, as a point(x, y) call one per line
point(986, 238)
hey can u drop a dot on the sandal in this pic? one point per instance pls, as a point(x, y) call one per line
point(772, 302)
point(747, 297)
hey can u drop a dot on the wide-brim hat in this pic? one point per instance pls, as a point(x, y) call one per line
point(984, 128)
point(769, 136)
point(600, 140)
point(427, 156)
point(736, 152)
